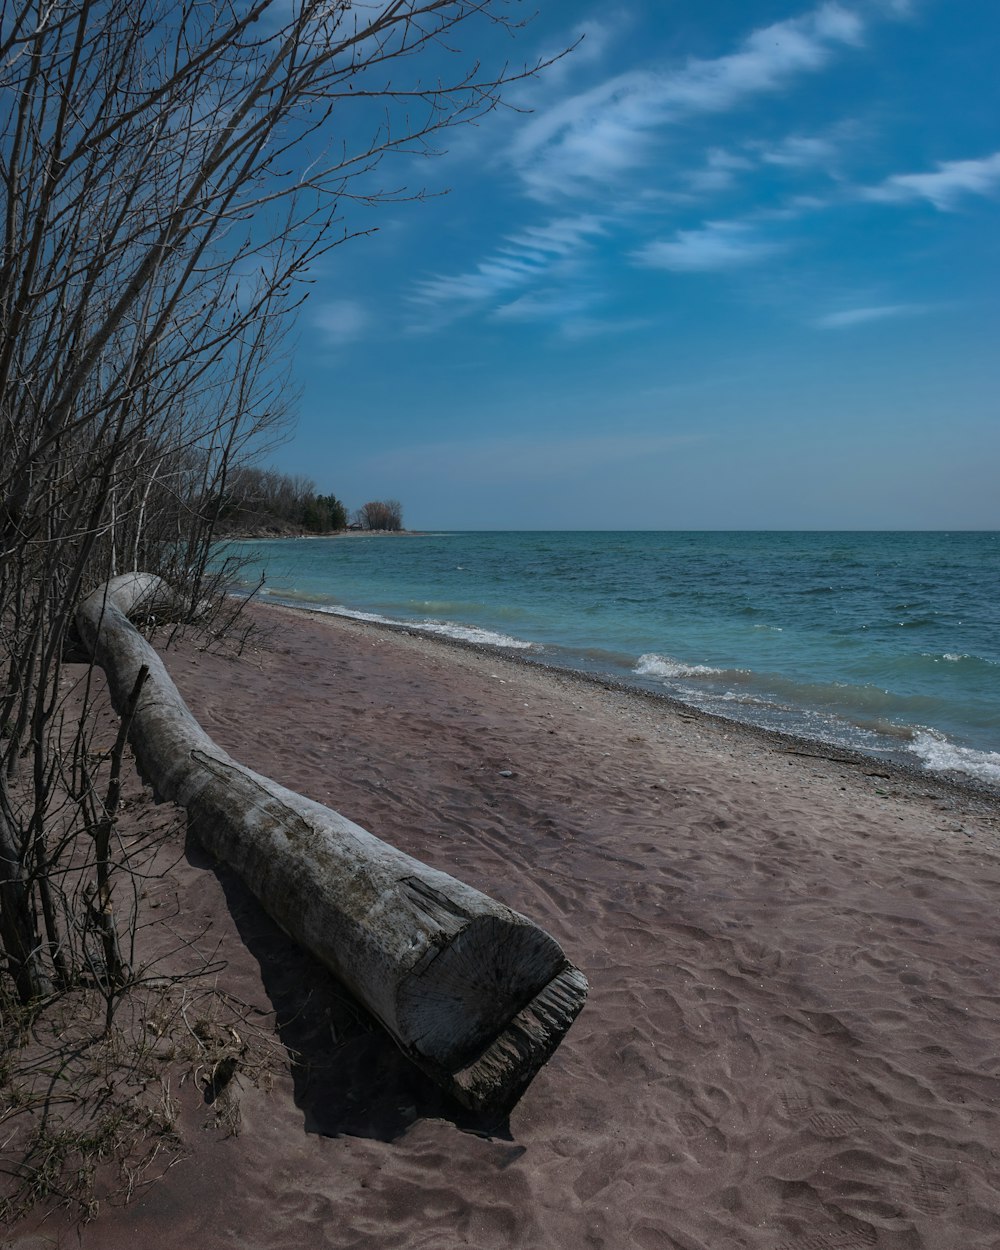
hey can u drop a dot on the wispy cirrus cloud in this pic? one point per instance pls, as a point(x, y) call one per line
point(583, 143)
point(601, 133)
point(546, 306)
point(859, 316)
point(719, 172)
point(800, 151)
point(588, 41)
point(570, 313)
point(521, 260)
point(943, 187)
point(723, 168)
point(717, 245)
point(339, 321)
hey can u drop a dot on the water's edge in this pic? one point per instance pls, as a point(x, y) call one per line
point(903, 765)
point(884, 644)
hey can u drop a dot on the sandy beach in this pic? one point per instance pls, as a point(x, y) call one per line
point(791, 1040)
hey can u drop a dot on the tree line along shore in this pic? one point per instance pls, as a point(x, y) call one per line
point(263, 503)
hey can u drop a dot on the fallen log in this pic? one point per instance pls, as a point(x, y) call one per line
point(472, 992)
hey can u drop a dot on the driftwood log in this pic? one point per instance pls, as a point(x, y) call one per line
point(473, 993)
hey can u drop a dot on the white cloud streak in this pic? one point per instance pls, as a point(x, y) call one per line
point(717, 245)
point(599, 134)
point(800, 152)
point(545, 306)
point(587, 141)
point(719, 171)
point(859, 316)
point(945, 187)
point(523, 258)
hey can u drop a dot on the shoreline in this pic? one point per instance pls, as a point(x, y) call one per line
point(266, 535)
point(866, 674)
point(912, 773)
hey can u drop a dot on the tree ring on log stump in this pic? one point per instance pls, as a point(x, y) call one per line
point(455, 1004)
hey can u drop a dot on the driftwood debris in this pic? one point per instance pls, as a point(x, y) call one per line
point(473, 993)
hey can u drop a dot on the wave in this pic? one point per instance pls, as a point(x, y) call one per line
point(652, 665)
point(958, 657)
point(289, 596)
point(939, 755)
point(864, 718)
point(447, 629)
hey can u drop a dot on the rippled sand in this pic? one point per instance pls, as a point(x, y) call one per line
point(791, 1037)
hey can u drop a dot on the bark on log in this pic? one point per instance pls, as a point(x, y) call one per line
point(472, 992)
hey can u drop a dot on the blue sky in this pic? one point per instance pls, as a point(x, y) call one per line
point(737, 268)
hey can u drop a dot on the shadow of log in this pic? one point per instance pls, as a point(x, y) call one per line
point(349, 1077)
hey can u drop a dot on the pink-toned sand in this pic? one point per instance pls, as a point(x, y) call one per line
point(792, 1040)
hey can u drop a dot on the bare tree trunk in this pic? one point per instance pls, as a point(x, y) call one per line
point(472, 992)
point(18, 923)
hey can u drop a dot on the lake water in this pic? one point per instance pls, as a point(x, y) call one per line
point(884, 642)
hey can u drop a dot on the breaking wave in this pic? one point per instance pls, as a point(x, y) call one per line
point(447, 629)
point(652, 665)
point(939, 755)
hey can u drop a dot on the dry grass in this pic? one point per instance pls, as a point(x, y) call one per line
point(94, 1080)
point(90, 1115)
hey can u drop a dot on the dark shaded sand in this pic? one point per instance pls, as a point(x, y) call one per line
point(792, 1037)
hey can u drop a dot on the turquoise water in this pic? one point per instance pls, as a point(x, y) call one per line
point(886, 642)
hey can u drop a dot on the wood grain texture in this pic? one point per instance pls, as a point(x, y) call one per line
point(472, 992)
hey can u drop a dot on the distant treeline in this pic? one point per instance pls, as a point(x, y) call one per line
point(263, 499)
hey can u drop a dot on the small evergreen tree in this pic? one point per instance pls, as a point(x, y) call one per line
point(337, 512)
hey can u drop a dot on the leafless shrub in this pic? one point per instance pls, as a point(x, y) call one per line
point(169, 173)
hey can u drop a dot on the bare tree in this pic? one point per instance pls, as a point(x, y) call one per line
point(170, 171)
point(381, 514)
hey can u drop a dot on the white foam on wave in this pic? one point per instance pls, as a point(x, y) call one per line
point(470, 633)
point(653, 665)
point(957, 657)
point(446, 629)
point(940, 755)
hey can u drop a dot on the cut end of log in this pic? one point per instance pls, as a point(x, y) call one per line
point(487, 1010)
point(460, 995)
point(496, 1080)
